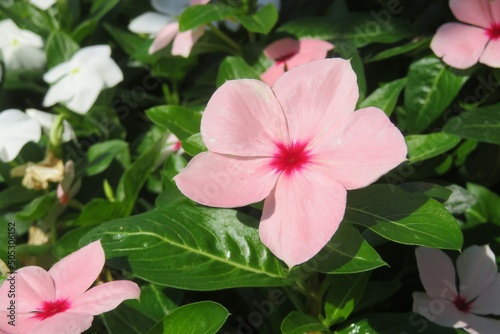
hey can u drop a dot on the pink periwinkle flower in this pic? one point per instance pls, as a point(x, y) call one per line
point(299, 145)
point(288, 53)
point(477, 295)
point(463, 45)
point(164, 26)
point(58, 301)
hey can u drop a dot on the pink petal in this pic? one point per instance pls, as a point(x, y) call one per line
point(105, 297)
point(441, 312)
point(488, 300)
point(75, 273)
point(33, 286)
point(164, 37)
point(491, 54)
point(198, 2)
point(184, 41)
point(226, 181)
point(476, 12)
point(436, 273)
point(65, 322)
point(310, 50)
point(273, 73)
point(243, 118)
point(302, 213)
point(282, 48)
point(481, 325)
point(459, 45)
point(495, 10)
point(476, 269)
point(369, 147)
point(24, 323)
point(317, 98)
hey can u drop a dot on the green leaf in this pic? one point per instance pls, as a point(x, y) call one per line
point(407, 218)
point(38, 208)
point(60, 47)
point(83, 30)
point(126, 319)
point(343, 295)
point(437, 192)
point(101, 155)
point(68, 243)
point(347, 252)
point(129, 42)
point(430, 89)
point(102, 7)
point(192, 248)
point(193, 145)
point(154, 301)
point(396, 323)
point(197, 15)
point(202, 317)
point(181, 121)
point(299, 323)
point(348, 51)
point(171, 195)
point(399, 50)
point(233, 68)
point(482, 124)
point(487, 207)
point(100, 210)
point(261, 22)
point(376, 292)
point(423, 147)
point(15, 195)
point(385, 97)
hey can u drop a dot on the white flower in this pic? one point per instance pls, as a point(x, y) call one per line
point(21, 49)
point(77, 82)
point(16, 130)
point(43, 4)
point(47, 120)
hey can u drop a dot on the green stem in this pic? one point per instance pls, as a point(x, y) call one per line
point(229, 41)
point(251, 37)
point(314, 298)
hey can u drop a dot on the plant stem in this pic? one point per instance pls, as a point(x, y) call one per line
point(229, 41)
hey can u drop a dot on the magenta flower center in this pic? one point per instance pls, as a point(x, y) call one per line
point(494, 31)
point(285, 57)
point(462, 304)
point(291, 158)
point(49, 309)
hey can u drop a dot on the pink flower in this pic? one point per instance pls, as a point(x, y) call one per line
point(298, 145)
point(463, 45)
point(288, 53)
point(477, 295)
point(165, 26)
point(58, 301)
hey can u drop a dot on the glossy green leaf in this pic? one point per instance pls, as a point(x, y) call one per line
point(407, 218)
point(375, 292)
point(399, 50)
point(343, 295)
point(487, 207)
point(126, 319)
point(233, 68)
point(197, 15)
point(261, 22)
point(347, 252)
point(181, 121)
point(60, 47)
point(423, 147)
point(481, 124)
point(191, 248)
point(299, 323)
point(100, 210)
point(202, 317)
point(430, 89)
point(38, 208)
point(155, 302)
point(101, 155)
point(385, 97)
point(171, 195)
point(435, 191)
point(69, 242)
point(194, 145)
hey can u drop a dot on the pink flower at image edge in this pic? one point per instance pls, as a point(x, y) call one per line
point(299, 146)
point(463, 45)
point(288, 53)
point(60, 301)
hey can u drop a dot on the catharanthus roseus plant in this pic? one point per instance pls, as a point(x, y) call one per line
point(299, 146)
point(60, 301)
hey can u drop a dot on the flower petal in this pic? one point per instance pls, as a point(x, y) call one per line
point(476, 12)
point(16, 130)
point(164, 37)
point(110, 72)
point(481, 325)
point(488, 300)
point(57, 72)
point(170, 7)
point(441, 312)
point(43, 4)
point(86, 91)
point(61, 91)
point(310, 50)
point(65, 322)
point(476, 269)
point(149, 23)
point(459, 45)
point(301, 215)
point(495, 10)
point(273, 73)
point(436, 273)
point(243, 118)
point(70, 280)
point(31, 58)
point(317, 98)
point(491, 53)
point(184, 41)
point(24, 323)
point(105, 297)
point(226, 181)
point(46, 120)
point(282, 48)
point(369, 147)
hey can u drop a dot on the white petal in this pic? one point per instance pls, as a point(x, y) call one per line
point(436, 273)
point(476, 269)
point(61, 91)
point(488, 302)
point(86, 94)
point(110, 73)
point(31, 58)
point(46, 120)
point(276, 3)
point(43, 4)
point(170, 7)
point(149, 23)
point(439, 311)
point(89, 56)
point(16, 129)
point(57, 72)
